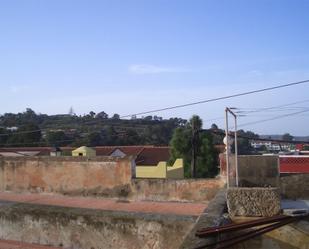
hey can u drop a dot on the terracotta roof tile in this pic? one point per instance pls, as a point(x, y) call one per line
point(153, 155)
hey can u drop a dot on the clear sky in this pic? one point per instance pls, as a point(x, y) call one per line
point(123, 56)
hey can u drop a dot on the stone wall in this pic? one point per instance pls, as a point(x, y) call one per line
point(200, 190)
point(253, 202)
point(91, 229)
point(294, 186)
point(65, 175)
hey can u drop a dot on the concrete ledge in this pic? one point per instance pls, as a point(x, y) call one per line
point(212, 216)
point(254, 202)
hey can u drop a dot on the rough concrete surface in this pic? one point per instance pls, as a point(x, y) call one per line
point(176, 208)
point(257, 171)
point(75, 228)
point(211, 217)
point(294, 186)
point(10, 244)
point(264, 202)
point(190, 190)
point(100, 177)
point(66, 175)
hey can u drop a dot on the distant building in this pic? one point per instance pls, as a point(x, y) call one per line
point(56, 151)
point(84, 151)
point(13, 128)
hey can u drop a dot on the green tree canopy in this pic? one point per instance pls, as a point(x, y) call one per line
point(206, 155)
point(287, 137)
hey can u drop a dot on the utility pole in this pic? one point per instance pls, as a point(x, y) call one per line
point(193, 148)
point(228, 110)
point(227, 148)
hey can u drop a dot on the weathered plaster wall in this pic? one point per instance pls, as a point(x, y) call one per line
point(65, 175)
point(294, 186)
point(91, 229)
point(201, 190)
point(99, 176)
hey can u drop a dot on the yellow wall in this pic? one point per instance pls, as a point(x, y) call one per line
point(161, 170)
point(158, 171)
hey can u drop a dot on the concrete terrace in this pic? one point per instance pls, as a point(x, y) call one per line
point(174, 208)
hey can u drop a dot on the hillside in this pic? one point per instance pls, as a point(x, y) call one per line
point(32, 129)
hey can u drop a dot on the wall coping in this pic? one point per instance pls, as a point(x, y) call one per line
point(68, 158)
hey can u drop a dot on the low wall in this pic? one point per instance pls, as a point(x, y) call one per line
point(294, 186)
point(213, 216)
point(199, 190)
point(92, 229)
point(98, 176)
point(65, 175)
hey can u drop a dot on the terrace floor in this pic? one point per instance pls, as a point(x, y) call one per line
point(176, 208)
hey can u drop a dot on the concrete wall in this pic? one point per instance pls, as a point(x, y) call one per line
point(294, 186)
point(200, 190)
point(256, 171)
point(65, 175)
point(98, 176)
point(92, 229)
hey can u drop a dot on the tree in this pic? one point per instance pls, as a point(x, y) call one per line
point(214, 127)
point(27, 135)
point(116, 116)
point(148, 118)
point(205, 153)
point(56, 138)
point(196, 124)
point(243, 142)
point(3, 136)
point(92, 114)
point(71, 111)
point(287, 137)
point(102, 115)
point(93, 139)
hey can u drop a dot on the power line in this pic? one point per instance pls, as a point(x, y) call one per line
point(218, 98)
point(270, 108)
point(184, 105)
point(274, 118)
point(218, 132)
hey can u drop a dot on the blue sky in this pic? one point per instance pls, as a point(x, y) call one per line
point(130, 56)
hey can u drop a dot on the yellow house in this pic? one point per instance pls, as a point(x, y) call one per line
point(161, 170)
point(84, 151)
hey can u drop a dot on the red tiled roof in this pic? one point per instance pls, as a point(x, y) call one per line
point(153, 155)
point(133, 150)
point(104, 150)
point(43, 151)
point(145, 154)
